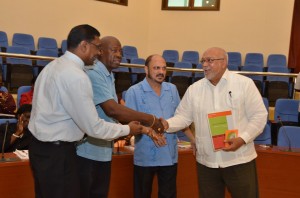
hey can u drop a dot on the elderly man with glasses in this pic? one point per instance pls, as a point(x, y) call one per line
point(221, 91)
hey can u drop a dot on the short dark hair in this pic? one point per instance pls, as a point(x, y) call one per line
point(22, 109)
point(80, 33)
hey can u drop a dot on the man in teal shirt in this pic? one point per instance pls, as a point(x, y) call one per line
point(94, 154)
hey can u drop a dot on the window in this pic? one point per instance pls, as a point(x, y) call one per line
point(190, 4)
point(120, 2)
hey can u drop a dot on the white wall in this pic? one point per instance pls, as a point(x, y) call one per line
point(240, 25)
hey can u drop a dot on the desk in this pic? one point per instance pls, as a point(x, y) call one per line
point(278, 174)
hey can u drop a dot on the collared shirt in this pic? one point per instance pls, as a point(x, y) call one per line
point(234, 92)
point(141, 97)
point(62, 106)
point(103, 83)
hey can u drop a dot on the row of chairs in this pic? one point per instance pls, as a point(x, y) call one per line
point(272, 87)
point(27, 41)
point(234, 58)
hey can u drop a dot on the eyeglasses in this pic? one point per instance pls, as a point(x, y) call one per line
point(209, 60)
point(97, 46)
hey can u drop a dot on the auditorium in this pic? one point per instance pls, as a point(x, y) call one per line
point(122, 90)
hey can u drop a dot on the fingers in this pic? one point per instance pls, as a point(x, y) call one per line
point(233, 144)
point(165, 123)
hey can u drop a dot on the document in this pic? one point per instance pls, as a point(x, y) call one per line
point(221, 128)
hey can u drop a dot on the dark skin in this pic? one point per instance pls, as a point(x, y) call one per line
point(88, 51)
point(111, 55)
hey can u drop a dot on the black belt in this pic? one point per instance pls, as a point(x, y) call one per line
point(57, 142)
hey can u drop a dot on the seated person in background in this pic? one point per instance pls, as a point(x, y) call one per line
point(7, 102)
point(26, 98)
point(18, 136)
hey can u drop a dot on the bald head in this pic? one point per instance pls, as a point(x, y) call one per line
point(111, 52)
point(214, 63)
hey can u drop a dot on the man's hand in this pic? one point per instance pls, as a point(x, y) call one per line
point(234, 144)
point(157, 125)
point(135, 128)
point(165, 123)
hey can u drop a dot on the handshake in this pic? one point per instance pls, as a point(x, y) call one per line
point(154, 131)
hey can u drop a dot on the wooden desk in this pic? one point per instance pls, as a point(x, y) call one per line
point(278, 174)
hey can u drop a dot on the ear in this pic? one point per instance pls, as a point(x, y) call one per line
point(83, 46)
point(146, 70)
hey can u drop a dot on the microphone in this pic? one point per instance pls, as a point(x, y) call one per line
point(230, 94)
point(3, 159)
point(285, 134)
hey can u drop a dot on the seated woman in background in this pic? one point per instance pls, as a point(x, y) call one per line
point(7, 102)
point(26, 98)
point(18, 136)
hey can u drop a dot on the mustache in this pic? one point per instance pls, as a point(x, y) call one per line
point(160, 75)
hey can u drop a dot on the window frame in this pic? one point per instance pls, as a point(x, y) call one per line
point(164, 6)
point(121, 2)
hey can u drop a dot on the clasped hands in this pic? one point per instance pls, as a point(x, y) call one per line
point(155, 132)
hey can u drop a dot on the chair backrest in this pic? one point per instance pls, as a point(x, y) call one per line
point(23, 40)
point(138, 61)
point(10, 120)
point(21, 90)
point(289, 136)
point(171, 56)
point(256, 59)
point(286, 109)
point(186, 65)
point(278, 70)
point(191, 57)
point(47, 43)
point(3, 39)
point(130, 52)
point(253, 68)
point(64, 46)
point(276, 60)
point(265, 136)
point(197, 74)
point(45, 52)
point(18, 50)
point(234, 59)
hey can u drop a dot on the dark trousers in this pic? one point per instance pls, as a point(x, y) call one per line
point(240, 180)
point(94, 178)
point(143, 179)
point(54, 168)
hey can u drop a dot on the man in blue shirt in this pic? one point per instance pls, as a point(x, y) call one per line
point(154, 96)
point(94, 154)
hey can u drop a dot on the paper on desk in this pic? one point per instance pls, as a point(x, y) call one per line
point(184, 144)
point(22, 154)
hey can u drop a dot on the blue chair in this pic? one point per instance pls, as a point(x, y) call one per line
point(19, 71)
point(137, 74)
point(63, 46)
point(23, 40)
point(276, 60)
point(197, 75)
point(20, 91)
point(289, 136)
point(130, 52)
point(47, 43)
point(182, 80)
point(191, 57)
point(42, 63)
point(265, 136)
point(277, 87)
point(286, 110)
point(171, 56)
point(234, 60)
point(258, 80)
point(254, 59)
point(3, 41)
